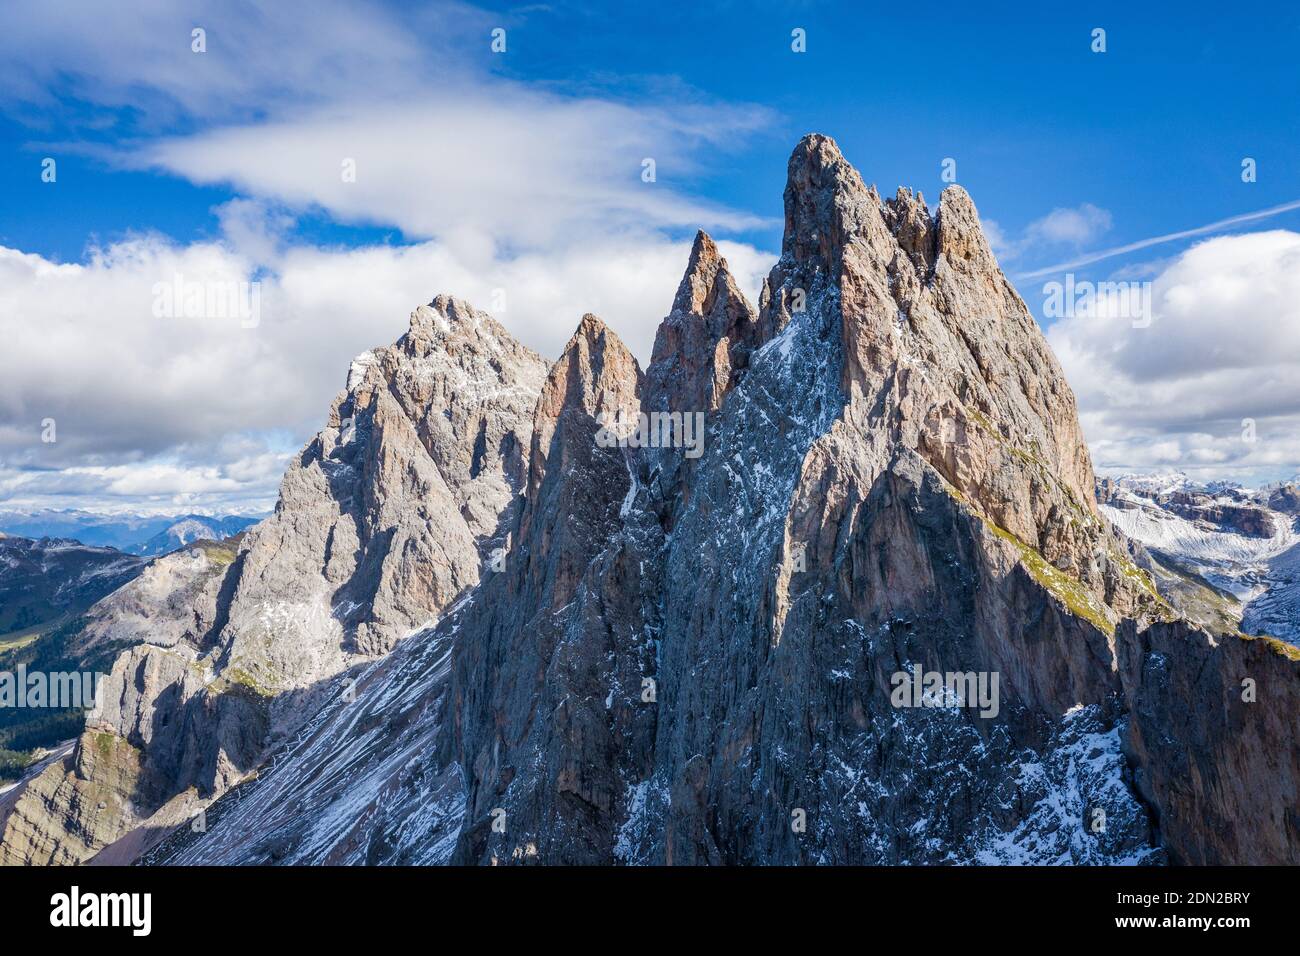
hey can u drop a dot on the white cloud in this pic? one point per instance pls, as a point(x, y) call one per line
point(1076, 226)
point(534, 191)
point(149, 408)
point(1220, 226)
point(443, 146)
point(260, 57)
point(1221, 351)
point(496, 166)
point(1072, 227)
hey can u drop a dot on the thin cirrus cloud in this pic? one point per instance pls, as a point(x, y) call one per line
point(1219, 225)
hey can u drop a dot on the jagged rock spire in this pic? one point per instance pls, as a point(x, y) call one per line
point(699, 285)
point(703, 345)
point(922, 291)
point(628, 690)
point(595, 375)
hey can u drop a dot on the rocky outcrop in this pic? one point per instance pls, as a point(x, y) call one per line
point(1285, 499)
point(383, 520)
point(509, 651)
point(691, 661)
point(704, 344)
point(388, 513)
point(175, 601)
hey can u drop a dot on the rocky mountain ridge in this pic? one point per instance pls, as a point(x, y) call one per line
point(641, 656)
point(47, 578)
point(221, 653)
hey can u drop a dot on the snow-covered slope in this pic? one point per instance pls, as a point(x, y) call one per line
point(1215, 532)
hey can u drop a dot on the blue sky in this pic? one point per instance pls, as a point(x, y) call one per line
point(1155, 127)
point(521, 170)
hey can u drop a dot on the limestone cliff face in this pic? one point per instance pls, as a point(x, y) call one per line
point(157, 729)
point(684, 660)
point(383, 520)
point(887, 487)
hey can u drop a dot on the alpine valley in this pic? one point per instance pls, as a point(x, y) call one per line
point(476, 631)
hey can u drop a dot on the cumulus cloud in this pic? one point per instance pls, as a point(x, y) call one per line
point(1075, 226)
point(151, 407)
point(1212, 385)
point(534, 199)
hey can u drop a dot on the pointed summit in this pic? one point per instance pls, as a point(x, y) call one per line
point(960, 237)
point(449, 319)
point(574, 480)
point(825, 199)
point(897, 482)
point(699, 281)
point(596, 374)
point(704, 343)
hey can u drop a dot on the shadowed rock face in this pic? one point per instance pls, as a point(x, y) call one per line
point(685, 661)
point(1212, 733)
point(703, 346)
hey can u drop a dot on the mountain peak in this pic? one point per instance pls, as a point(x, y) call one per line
point(704, 343)
point(960, 236)
point(826, 200)
point(702, 271)
point(596, 376)
point(448, 317)
point(592, 330)
point(594, 366)
point(817, 148)
point(896, 483)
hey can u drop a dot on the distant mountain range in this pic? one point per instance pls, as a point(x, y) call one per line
point(52, 577)
point(148, 535)
point(1242, 543)
point(44, 585)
